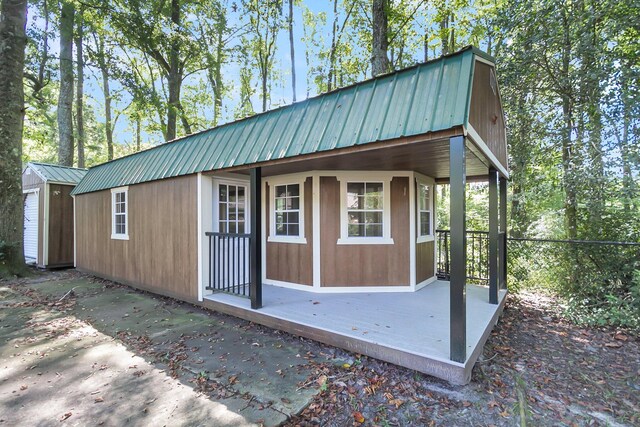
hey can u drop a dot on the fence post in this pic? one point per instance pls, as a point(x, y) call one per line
point(503, 230)
point(457, 285)
point(493, 236)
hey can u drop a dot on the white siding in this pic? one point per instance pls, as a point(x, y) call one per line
point(31, 226)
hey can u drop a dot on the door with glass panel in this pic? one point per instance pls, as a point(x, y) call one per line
point(230, 243)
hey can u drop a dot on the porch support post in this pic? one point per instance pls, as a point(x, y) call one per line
point(255, 249)
point(503, 231)
point(494, 273)
point(457, 287)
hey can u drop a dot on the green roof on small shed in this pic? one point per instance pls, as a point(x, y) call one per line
point(425, 98)
point(57, 173)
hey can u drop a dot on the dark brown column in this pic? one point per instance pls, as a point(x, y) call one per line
point(256, 238)
point(493, 236)
point(457, 286)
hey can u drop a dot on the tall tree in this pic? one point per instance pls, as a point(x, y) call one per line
point(65, 98)
point(265, 23)
point(157, 29)
point(80, 88)
point(13, 17)
point(380, 44)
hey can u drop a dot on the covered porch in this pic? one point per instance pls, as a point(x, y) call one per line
point(410, 329)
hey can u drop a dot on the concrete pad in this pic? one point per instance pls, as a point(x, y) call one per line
point(248, 369)
point(65, 370)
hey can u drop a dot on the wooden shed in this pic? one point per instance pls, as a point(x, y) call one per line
point(48, 214)
point(331, 197)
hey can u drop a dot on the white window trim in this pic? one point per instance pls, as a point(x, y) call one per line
point(424, 180)
point(285, 180)
point(114, 235)
point(385, 179)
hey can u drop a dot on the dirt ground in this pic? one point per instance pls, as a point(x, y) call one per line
point(77, 350)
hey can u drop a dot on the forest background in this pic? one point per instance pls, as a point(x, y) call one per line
point(105, 79)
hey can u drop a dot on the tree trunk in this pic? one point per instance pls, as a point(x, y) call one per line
point(107, 109)
point(332, 53)
point(628, 183)
point(444, 33)
point(174, 76)
point(568, 166)
point(380, 43)
point(292, 50)
point(80, 91)
point(65, 98)
point(217, 76)
point(138, 139)
point(13, 18)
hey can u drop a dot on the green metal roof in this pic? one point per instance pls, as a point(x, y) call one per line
point(425, 98)
point(57, 173)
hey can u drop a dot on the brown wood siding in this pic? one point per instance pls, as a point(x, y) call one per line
point(292, 262)
point(31, 180)
point(364, 265)
point(161, 253)
point(60, 240)
point(424, 261)
point(485, 114)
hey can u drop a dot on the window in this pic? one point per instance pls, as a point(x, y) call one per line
point(286, 209)
point(364, 209)
point(424, 210)
point(119, 213)
point(232, 205)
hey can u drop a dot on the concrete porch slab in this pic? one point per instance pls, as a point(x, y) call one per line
point(407, 329)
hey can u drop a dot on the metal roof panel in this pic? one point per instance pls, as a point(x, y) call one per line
point(426, 98)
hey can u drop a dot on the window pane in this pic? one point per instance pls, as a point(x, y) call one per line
point(232, 227)
point(425, 223)
point(232, 193)
point(222, 226)
point(280, 204)
point(222, 211)
point(281, 191)
point(356, 230)
point(356, 217)
point(293, 203)
point(294, 230)
point(240, 194)
point(373, 230)
point(293, 217)
point(241, 227)
point(281, 229)
point(374, 188)
point(240, 212)
point(232, 211)
point(223, 193)
point(373, 201)
point(293, 190)
point(355, 188)
point(373, 217)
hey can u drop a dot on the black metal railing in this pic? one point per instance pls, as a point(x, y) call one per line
point(477, 256)
point(229, 263)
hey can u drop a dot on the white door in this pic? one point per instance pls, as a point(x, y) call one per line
point(31, 227)
point(230, 245)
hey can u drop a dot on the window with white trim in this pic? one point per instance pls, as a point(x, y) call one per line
point(119, 213)
point(286, 207)
point(425, 218)
point(365, 209)
point(287, 210)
